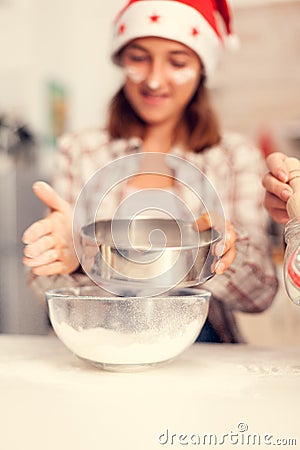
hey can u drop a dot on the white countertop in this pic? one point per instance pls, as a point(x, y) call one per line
point(52, 400)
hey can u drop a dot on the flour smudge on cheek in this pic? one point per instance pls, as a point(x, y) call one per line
point(134, 75)
point(184, 75)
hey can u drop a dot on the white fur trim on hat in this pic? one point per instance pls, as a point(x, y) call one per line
point(170, 20)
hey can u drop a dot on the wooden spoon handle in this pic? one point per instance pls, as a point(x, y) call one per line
point(293, 203)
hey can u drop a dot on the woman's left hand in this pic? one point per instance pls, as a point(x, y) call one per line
point(225, 249)
point(49, 247)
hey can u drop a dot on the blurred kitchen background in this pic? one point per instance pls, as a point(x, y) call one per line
point(55, 75)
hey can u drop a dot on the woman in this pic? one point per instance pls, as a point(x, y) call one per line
point(164, 107)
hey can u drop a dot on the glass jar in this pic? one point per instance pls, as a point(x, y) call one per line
point(291, 265)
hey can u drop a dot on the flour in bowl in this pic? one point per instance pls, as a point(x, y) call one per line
point(112, 347)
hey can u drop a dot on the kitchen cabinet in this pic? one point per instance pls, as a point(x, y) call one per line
point(20, 312)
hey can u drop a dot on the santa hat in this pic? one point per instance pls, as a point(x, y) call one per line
point(191, 22)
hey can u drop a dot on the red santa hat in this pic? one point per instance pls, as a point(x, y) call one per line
point(191, 22)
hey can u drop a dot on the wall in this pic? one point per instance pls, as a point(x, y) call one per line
point(258, 87)
point(67, 41)
point(16, 55)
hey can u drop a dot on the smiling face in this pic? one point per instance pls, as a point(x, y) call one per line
point(161, 78)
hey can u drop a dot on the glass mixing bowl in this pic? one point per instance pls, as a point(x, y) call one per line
point(127, 333)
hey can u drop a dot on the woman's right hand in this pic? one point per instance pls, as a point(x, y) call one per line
point(225, 250)
point(277, 189)
point(49, 247)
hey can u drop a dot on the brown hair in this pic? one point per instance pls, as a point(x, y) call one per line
point(198, 129)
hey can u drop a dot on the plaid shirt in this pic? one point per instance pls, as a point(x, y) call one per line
point(234, 168)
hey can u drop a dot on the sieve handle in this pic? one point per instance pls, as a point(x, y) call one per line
point(293, 203)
